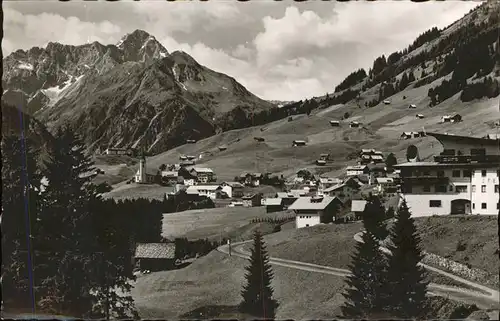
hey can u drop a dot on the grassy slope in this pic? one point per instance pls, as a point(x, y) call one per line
point(217, 279)
point(440, 235)
point(333, 245)
point(383, 124)
point(213, 223)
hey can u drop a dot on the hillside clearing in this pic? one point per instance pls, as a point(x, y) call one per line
point(215, 222)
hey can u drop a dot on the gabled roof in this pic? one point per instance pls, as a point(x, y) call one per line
point(202, 170)
point(233, 184)
point(249, 196)
point(356, 167)
point(384, 180)
point(307, 203)
point(275, 201)
point(155, 250)
point(203, 187)
point(358, 205)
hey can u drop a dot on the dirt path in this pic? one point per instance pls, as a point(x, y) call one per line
point(483, 301)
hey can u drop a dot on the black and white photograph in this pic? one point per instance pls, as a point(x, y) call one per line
point(250, 160)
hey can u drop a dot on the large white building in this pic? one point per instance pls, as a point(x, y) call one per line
point(310, 211)
point(463, 179)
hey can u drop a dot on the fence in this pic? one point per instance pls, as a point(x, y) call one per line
point(273, 220)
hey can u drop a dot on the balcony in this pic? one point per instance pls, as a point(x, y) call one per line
point(426, 179)
point(467, 159)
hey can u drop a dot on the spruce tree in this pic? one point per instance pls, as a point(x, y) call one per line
point(406, 279)
point(366, 294)
point(257, 293)
point(67, 242)
point(21, 183)
point(373, 218)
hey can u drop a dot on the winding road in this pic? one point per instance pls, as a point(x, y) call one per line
point(487, 299)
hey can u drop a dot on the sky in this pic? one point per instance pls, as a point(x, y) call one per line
point(280, 50)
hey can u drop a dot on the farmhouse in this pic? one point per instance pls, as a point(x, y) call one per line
point(169, 176)
point(203, 175)
point(155, 256)
point(412, 106)
point(252, 200)
point(232, 189)
point(463, 179)
point(299, 143)
point(354, 124)
point(312, 211)
point(251, 179)
point(274, 204)
point(115, 151)
point(357, 207)
point(385, 185)
point(409, 135)
point(259, 139)
point(335, 123)
point(387, 102)
point(222, 148)
point(420, 116)
point(210, 191)
point(191, 141)
point(325, 182)
point(287, 198)
point(356, 170)
point(321, 162)
point(344, 191)
point(451, 118)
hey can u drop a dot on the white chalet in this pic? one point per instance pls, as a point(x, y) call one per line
point(356, 170)
point(463, 179)
point(311, 211)
point(210, 191)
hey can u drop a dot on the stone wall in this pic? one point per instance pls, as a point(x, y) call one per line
point(461, 270)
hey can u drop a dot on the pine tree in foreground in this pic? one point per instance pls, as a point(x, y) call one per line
point(20, 205)
point(406, 279)
point(373, 218)
point(257, 293)
point(365, 295)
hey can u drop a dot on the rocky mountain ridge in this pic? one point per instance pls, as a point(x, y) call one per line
point(132, 94)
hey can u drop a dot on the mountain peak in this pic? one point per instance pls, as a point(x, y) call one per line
point(137, 37)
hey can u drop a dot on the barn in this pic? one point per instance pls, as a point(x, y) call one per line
point(155, 256)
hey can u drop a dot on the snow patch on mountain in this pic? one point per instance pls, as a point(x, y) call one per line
point(25, 66)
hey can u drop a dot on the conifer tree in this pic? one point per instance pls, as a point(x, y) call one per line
point(257, 293)
point(373, 218)
point(21, 183)
point(406, 279)
point(81, 262)
point(366, 294)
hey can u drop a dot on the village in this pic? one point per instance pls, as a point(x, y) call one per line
point(462, 179)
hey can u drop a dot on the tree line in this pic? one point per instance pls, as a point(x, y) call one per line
point(66, 249)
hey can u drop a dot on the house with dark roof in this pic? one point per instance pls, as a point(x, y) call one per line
point(252, 200)
point(232, 189)
point(274, 204)
point(155, 256)
point(343, 191)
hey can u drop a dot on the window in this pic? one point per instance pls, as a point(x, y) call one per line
point(483, 188)
point(440, 173)
point(483, 206)
point(496, 188)
point(473, 188)
point(461, 188)
point(498, 206)
point(455, 173)
point(467, 173)
point(440, 188)
point(473, 205)
point(483, 173)
point(498, 173)
point(427, 188)
point(434, 203)
point(451, 188)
